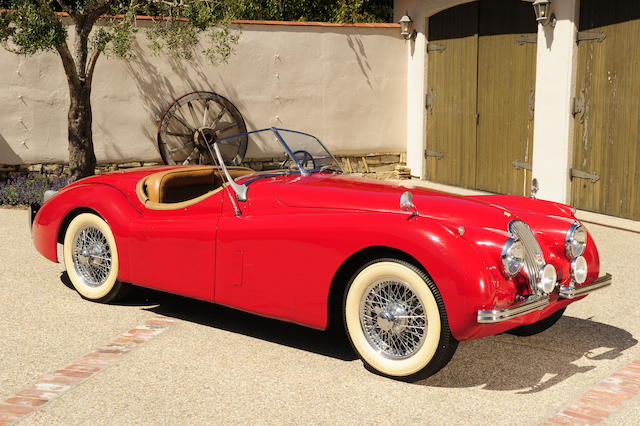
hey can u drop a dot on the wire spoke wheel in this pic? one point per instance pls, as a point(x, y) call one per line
point(196, 119)
point(393, 318)
point(396, 320)
point(91, 256)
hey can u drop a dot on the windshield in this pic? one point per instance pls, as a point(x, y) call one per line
point(277, 149)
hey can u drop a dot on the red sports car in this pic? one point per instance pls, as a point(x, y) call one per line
point(274, 227)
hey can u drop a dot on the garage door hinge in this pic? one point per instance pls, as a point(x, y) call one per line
point(530, 38)
point(428, 101)
point(522, 165)
point(586, 35)
point(437, 155)
point(432, 47)
point(593, 177)
point(577, 105)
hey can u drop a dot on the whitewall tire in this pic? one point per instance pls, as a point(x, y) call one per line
point(396, 320)
point(91, 259)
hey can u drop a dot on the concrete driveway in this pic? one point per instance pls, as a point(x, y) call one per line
point(213, 364)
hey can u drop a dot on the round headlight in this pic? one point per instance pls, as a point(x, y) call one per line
point(579, 269)
point(575, 241)
point(547, 278)
point(512, 257)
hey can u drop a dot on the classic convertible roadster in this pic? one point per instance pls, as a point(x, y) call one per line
point(276, 228)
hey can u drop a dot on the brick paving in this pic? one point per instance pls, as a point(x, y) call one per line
point(598, 403)
point(55, 384)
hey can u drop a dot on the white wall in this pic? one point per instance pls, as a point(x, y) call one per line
point(345, 84)
point(555, 87)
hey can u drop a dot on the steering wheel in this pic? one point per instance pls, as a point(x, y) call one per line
point(303, 157)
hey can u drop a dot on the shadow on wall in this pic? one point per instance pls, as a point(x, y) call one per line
point(158, 92)
point(355, 44)
point(7, 155)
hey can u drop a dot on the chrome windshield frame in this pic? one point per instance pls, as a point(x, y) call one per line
point(276, 131)
point(240, 190)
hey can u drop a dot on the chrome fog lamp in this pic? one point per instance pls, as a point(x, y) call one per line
point(576, 240)
point(579, 270)
point(547, 278)
point(406, 27)
point(512, 257)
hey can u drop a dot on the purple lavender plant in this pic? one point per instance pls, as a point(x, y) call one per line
point(29, 189)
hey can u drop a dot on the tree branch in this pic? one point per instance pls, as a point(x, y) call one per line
point(66, 7)
point(101, 7)
point(91, 66)
point(69, 65)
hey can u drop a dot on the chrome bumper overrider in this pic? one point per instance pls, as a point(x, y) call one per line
point(571, 292)
point(536, 302)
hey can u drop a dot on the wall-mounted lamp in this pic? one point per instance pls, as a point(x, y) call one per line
point(406, 27)
point(543, 14)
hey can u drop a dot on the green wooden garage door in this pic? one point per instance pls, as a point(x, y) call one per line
point(480, 82)
point(607, 122)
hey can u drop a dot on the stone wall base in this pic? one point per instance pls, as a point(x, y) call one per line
point(376, 165)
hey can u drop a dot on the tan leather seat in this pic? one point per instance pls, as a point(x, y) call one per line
point(178, 188)
point(180, 185)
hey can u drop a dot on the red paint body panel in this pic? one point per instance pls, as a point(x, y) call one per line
point(279, 257)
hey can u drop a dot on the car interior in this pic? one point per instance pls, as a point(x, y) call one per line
point(182, 187)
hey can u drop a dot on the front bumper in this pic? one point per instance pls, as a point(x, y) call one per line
point(536, 302)
point(571, 292)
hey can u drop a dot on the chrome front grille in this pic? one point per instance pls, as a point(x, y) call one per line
point(533, 257)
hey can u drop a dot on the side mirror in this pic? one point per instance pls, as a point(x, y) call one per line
point(406, 203)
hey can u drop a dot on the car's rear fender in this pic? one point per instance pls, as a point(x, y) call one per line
point(104, 200)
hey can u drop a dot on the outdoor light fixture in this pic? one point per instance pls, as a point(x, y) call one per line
point(543, 16)
point(406, 27)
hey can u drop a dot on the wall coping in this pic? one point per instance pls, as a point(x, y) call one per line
point(256, 22)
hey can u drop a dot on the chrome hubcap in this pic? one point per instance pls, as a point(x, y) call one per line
point(91, 256)
point(393, 318)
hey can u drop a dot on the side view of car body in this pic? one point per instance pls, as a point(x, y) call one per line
point(409, 271)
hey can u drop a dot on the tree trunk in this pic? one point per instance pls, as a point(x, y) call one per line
point(82, 159)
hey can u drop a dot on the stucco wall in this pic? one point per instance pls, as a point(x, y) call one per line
point(347, 85)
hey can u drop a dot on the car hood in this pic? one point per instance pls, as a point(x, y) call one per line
point(352, 193)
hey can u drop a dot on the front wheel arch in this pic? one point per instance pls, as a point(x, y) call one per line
point(64, 225)
point(349, 267)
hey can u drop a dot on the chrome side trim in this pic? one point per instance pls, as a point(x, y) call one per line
point(532, 303)
point(505, 233)
point(571, 291)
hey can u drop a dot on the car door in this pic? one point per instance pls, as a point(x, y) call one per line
point(272, 260)
point(174, 250)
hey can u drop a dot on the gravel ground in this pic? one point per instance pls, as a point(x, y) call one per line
point(225, 366)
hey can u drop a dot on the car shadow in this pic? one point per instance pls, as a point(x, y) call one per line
point(535, 363)
point(504, 362)
point(332, 344)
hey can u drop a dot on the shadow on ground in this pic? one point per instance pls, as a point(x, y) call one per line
point(332, 344)
point(533, 364)
point(506, 363)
